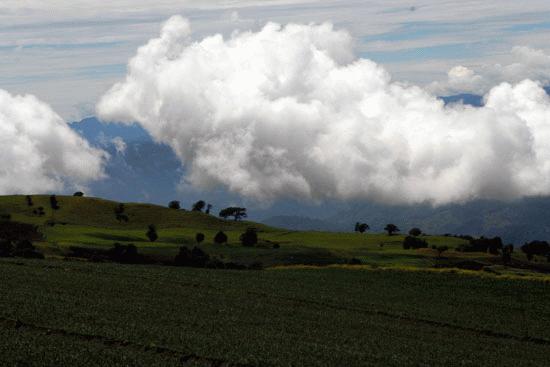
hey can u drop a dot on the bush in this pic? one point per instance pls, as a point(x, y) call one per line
point(194, 258)
point(199, 237)
point(152, 233)
point(79, 194)
point(482, 244)
point(249, 238)
point(174, 204)
point(26, 249)
point(220, 238)
point(415, 232)
point(414, 243)
point(540, 248)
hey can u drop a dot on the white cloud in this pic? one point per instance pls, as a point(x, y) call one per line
point(39, 152)
point(120, 144)
point(289, 112)
point(526, 63)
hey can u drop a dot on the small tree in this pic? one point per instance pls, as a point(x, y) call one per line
point(174, 204)
point(208, 208)
point(198, 206)
point(28, 198)
point(78, 194)
point(120, 214)
point(235, 212)
point(363, 227)
point(54, 205)
point(199, 237)
point(152, 233)
point(220, 238)
point(391, 229)
point(415, 232)
point(249, 238)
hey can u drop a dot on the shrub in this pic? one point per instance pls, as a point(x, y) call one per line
point(415, 232)
point(411, 242)
point(249, 238)
point(152, 233)
point(199, 237)
point(174, 204)
point(195, 258)
point(28, 199)
point(540, 248)
point(79, 194)
point(25, 248)
point(220, 238)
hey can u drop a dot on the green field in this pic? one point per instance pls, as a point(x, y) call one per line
point(85, 314)
point(91, 222)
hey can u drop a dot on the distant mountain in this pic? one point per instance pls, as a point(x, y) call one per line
point(141, 170)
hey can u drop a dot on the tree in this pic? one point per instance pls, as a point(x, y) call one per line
point(540, 248)
point(208, 208)
point(391, 229)
point(249, 238)
point(199, 237)
point(235, 212)
point(120, 214)
point(415, 232)
point(198, 206)
point(361, 227)
point(54, 205)
point(28, 198)
point(152, 233)
point(78, 194)
point(220, 238)
point(174, 204)
point(411, 242)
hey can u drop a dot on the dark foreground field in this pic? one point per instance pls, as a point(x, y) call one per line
point(84, 314)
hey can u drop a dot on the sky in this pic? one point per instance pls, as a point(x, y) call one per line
point(272, 100)
point(69, 52)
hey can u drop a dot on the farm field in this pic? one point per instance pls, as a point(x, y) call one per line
point(78, 313)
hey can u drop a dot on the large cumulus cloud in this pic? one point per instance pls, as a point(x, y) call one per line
point(290, 112)
point(39, 152)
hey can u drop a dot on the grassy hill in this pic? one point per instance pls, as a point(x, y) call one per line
point(92, 223)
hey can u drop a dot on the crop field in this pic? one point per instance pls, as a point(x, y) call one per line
point(56, 312)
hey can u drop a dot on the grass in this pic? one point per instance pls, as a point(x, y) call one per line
point(71, 313)
point(91, 222)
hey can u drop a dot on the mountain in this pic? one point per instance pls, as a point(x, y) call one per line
point(139, 169)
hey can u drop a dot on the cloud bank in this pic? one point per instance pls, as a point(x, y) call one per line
point(291, 112)
point(528, 63)
point(39, 152)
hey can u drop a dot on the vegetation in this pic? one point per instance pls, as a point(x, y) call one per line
point(174, 204)
point(391, 229)
point(92, 314)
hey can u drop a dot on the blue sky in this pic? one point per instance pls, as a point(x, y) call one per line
point(68, 52)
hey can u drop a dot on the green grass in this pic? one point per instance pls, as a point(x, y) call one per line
point(72, 313)
point(91, 222)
